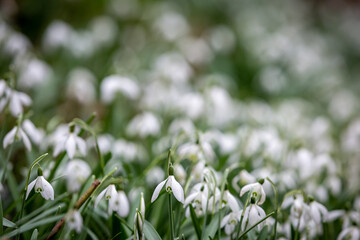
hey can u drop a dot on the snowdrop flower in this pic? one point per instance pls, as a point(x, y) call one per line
point(17, 101)
point(171, 186)
point(180, 173)
point(198, 198)
point(351, 233)
point(143, 125)
point(317, 211)
point(17, 133)
point(41, 186)
point(230, 222)
point(74, 220)
point(80, 86)
point(155, 175)
point(253, 213)
point(35, 134)
point(113, 84)
point(120, 204)
point(255, 189)
point(299, 211)
point(70, 142)
point(347, 216)
point(109, 192)
point(33, 72)
point(78, 171)
point(228, 200)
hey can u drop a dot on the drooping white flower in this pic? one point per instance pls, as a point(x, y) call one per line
point(317, 212)
point(351, 233)
point(114, 84)
point(16, 100)
point(253, 214)
point(143, 125)
point(17, 133)
point(155, 175)
point(41, 186)
point(299, 211)
point(69, 141)
point(80, 85)
point(171, 186)
point(230, 222)
point(74, 220)
point(77, 171)
point(228, 200)
point(257, 189)
point(109, 192)
point(120, 204)
point(198, 198)
point(35, 134)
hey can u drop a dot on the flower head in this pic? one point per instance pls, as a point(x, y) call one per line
point(41, 186)
point(256, 190)
point(120, 204)
point(253, 213)
point(74, 220)
point(171, 186)
point(230, 221)
point(109, 192)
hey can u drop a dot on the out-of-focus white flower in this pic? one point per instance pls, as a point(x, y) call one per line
point(143, 125)
point(244, 177)
point(17, 133)
point(74, 220)
point(192, 104)
point(33, 73)
point(120, 204)
point(114, 84)
point(196, 51)
point(128, 151)
point(299, 211)
point(103, 30)
point(171, 186)
point(77, 171)
point(172, 25)
point(256, 190)
point(109, 192)
point(69, 141)
point(155, 175)
point(16, 100)
point(16, 44)
point(180, 173)
point(222, 39)
point(347, 217)
point(253, 213)
point(198, 198)
point(230, 222)
point(318, 212)
point(41, 186)
point(182, 125)
point(80, 85)
point(35, 134)
point(200, 150)
point(351, 233)
point(173, 66)
point(57, 35)
point(228, 200)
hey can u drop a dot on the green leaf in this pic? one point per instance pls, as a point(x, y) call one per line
point(34, 235)
point(1, 217)
point(27, 227)
point(8, 223)
point(195, 221)
point(263, 234)
point(150, 232)
point(91, 234)
point(211, 229)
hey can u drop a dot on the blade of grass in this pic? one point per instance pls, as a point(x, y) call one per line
point(195, 221)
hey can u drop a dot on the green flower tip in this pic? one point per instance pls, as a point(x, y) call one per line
point(261, 181)
point(40, 172)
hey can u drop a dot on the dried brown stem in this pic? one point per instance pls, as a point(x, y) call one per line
point(78, 204)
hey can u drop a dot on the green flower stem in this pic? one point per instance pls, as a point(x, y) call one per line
point(223, 182)
point(267, 216)
point(242, 215)
point(171, 218)
point(276, 206)
point(6, 162)
point(27, 183)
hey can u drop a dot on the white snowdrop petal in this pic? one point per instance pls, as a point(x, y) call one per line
point(157, 190)
point(233, 204)
point(10, 137)
point(15, 105)
point(25, 139)
point(177, 190)
point(225, 220)
point(24, 99)
point(48, 191)
point(99, 197)
point(29, 188)
point(124, 207)
point(245, 189)
point(70, 146)
point(81, 145)
point(189, 198)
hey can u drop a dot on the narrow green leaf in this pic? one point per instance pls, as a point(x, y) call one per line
point(195, 221)
point(27, 227)
point(212, 228)
point(34, 235)
point(91, 234)
point(8, 223)
point(150, 232)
